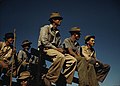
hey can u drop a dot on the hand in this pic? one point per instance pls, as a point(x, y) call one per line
point(14, 51)
point(59, 49)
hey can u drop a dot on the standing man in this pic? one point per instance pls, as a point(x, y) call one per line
point(86, 72)
point(90, 55)
point(50, 39)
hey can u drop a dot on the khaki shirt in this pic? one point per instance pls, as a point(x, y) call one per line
point(49, 38)
point(5, 51)
point(68, 43)
point(88, 53)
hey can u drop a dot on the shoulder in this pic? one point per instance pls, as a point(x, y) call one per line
point(2, 44)
point(84, 47)
point(45, 27)
point(66, 39)
point(21, 51)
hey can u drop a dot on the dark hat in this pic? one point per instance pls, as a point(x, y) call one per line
point(9, 35)
point(55, 15)
point(74, 29)
point(24, 75)
point(87, 38)
point(26, 42)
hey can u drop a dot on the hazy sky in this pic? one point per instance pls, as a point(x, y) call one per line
point(96, 17)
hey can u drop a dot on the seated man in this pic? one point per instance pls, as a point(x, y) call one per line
point(50, 39)
point(90, 55)
point(24, 56)
point(24, 79)
point(6, 52)
point(86, 73)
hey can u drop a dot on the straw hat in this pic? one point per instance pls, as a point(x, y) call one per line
point(26, 42)
point(88, 37)
point(55, 15)
point(74, 29)
point(24, 75)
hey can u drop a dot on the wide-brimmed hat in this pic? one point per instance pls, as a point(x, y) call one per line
point(24, 75)
point(26, 42)
point(9, 35)
point(87, 38)
point(75, 29)
point(55, 15)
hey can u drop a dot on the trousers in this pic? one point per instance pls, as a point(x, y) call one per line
point(59, 61)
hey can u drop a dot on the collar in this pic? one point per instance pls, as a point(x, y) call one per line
point(72, 40)
point(51, 26)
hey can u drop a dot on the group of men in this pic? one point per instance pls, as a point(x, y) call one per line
point(66, 56)
point(69, 55)
point(13, 64)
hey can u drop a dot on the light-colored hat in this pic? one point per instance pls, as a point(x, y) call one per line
point(25, 42)
point(88, 37)
point(55, 15)
point(75, 29)
point(24, 75)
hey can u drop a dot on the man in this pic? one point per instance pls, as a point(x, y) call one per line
point(24, 78)
point(24, 56)
point(6, 53)
point(86, 73)
point(90, 55)
point(50, 39)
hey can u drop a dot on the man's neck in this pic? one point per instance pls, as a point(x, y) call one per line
point(73, 38)
point(89, 47)
point(54, 26)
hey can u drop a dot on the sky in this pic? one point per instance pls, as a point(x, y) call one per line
point(95, 17)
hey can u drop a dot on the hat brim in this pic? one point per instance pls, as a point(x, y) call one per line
point(26, 44)
point(59, 18)
point(24, 77)
point(74, 31)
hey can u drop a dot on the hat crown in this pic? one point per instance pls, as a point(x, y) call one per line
point(25, 73)
point(55, 14)
point(88, 36)
point(26, 42)
point(75, 29)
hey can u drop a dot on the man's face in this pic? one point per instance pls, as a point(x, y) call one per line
point(24, 83)
point(10, 40)
point(57, 21)
point(77, 36)
point(91, 42)
point(27, 46)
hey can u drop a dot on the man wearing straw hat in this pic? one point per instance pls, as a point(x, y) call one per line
point(89, 53)
point(24, 78)
point(72, 47)
point(24, 56)
point(50, 39)
point(6, 52)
